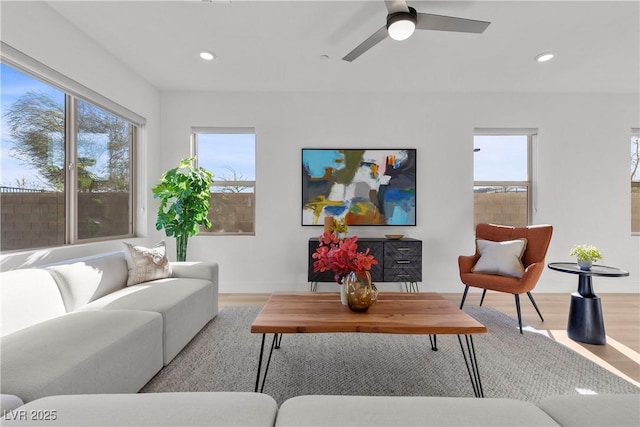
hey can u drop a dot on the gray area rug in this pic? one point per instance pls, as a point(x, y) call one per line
point(224, 357)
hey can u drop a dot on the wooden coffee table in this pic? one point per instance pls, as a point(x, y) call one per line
point(394, 313)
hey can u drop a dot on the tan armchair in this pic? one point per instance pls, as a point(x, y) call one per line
point(538, 238)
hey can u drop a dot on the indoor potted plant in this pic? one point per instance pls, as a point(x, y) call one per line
point(586, 255)
point(185, 194)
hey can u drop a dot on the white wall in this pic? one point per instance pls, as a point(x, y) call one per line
point(41, 33)
point(582, 183)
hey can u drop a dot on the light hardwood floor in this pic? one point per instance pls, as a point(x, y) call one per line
point(620, 355)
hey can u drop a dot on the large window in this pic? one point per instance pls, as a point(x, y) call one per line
point(230, 153)
point(502, 176)
point(66, 166)
point(635, 181)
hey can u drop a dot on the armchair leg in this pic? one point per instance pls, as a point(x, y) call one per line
point(464, 296)
point(484, 292)
point(534, 305)
point(518, 309)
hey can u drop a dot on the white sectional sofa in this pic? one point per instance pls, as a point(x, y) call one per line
point(77, 328)
point(254, 409)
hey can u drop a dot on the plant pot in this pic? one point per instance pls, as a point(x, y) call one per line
point(585, 265)
point(181, 247)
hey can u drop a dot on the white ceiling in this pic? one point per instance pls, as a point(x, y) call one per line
point(277, 45)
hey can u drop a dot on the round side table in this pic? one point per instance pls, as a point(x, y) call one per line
point(585, 313)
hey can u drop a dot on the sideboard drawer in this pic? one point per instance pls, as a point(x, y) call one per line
point(402, 254)
point(403, 261)
point(406, 274)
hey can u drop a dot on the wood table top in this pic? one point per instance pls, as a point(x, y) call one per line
point(393, 313)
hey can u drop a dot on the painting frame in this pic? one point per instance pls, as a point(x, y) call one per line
point(361, 186)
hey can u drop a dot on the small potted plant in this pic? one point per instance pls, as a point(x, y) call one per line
point(336, 226)
point(586, 255)
point(340, 227)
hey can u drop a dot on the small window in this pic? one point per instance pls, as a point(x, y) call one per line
point(635, 181)
point(231, 155)
point(502, 177)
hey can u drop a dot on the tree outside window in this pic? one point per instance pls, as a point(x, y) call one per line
point(60, 188)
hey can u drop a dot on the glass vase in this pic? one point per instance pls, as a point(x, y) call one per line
point(181, 247)
point(361, 293)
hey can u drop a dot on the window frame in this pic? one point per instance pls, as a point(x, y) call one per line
point(635, 132)
point(224, 183)
point(74, 91)
point(531, 134)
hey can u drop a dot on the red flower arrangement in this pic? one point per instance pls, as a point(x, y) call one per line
point(341, 256)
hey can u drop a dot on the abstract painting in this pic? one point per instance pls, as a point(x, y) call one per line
point(361, 187)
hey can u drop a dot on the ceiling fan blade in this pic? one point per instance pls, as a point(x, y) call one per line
point(427, 21)
point(394, 6)
point(376, 38)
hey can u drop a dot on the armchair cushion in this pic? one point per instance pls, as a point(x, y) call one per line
point(501, 258)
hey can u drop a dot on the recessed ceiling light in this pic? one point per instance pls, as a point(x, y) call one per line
point(207, 55)
point(544, 57)
point(324, 57)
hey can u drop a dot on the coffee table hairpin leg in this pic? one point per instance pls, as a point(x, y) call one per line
point(434, 343)
point(472, 365)
point(275, 343)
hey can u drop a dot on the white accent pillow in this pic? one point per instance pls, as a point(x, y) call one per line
point(146, 264)
point(502, 258)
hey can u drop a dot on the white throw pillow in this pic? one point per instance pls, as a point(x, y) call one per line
point(502, 258)
point(146, 264)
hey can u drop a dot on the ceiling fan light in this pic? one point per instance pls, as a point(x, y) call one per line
point(401, 25)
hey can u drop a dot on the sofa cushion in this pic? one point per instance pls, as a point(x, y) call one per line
point(87, 279)
point(82, 352)
point(594, 410)
point(502, 258)
point(28, 297)
point(156, 409)
point(9, 402)
point(186, 305)
point(146, 264)
point(408, 411)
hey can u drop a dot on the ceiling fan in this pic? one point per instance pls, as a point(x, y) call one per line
point(402, 20)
